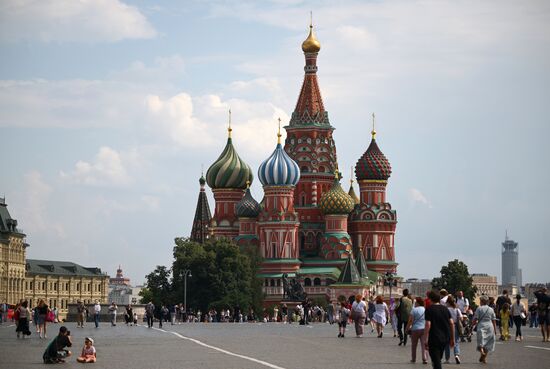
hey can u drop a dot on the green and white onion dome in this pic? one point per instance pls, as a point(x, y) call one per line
point(229, 170)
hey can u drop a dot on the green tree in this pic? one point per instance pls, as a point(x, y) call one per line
point(157, 286)
point(455, 277)
point(223, 275)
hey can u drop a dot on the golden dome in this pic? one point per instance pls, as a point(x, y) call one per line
point(311, 44)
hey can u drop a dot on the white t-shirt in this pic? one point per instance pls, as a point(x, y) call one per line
point(359, 307)
point(462, 303)
point(97, 308)
point(444, 300)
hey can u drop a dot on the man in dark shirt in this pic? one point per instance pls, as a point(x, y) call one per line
point(543, 302)
point(439, 330)
point(55, 352)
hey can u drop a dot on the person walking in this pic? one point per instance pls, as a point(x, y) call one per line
point(485, 320)
point(97, 312)
point(543, 303)
point(359, 314)
point(456, 316)
point(393, 317)
point(518, 314)
point(439, 329)
point(403, 310)
point(343, 319)
point(150, 313)
point(381, 315)
point(505, 326)
point(371, 309)
point(43, 311)
point(80, 314)
point(501, 300)
point(416, 325)
point(113, 310)
point(462, 303)
point(24, 316)
point(533, 320)
point(129, 315)
point(330, 313)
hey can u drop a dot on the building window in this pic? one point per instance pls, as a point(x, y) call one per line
point(307, 282)
point(78, 287)
point(99, 287)
point(317, 282)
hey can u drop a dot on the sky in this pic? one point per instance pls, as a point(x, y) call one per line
point(110, 109)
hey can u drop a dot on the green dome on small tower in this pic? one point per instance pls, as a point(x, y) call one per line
point(229, 170)
point(336, 200)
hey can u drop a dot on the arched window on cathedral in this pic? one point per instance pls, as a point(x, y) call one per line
point(302, 241)
point(307, 282)
point(317, 282)
point(321, 169)
point(272, 283)
point(303, 199)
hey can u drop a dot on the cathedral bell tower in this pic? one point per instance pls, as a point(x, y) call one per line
point(310, 144)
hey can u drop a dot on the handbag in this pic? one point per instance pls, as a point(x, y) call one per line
point(50, 317)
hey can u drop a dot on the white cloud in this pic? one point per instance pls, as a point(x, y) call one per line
point(70, 21)
point(151, 202)
point(107, 169)
point(35, 213)
point(417, 197)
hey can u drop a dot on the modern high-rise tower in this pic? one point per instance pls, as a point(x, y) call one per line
point(511, 274)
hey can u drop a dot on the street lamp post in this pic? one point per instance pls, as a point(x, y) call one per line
point(186, 272)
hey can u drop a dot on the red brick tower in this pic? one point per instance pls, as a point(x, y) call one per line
point(309, 142)
point(372, 223)
point(278, 221)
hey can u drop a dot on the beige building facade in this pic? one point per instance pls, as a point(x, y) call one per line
point(486, 285)
point(12, 258)
point(60, 283)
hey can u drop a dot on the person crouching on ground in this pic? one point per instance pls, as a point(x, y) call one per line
point(56, 352)
point(88, 354)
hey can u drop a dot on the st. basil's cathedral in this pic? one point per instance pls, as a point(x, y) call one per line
point(306, 226)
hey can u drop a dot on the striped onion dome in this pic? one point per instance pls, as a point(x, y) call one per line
point(373, 164)
point(229, 170)
point(336, 200)
point(279, 169)
point(248, 207)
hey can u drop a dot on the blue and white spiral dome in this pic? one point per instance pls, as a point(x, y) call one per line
point(279, 169)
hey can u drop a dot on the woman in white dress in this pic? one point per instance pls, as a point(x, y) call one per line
point(485, 319)
point(381, 315)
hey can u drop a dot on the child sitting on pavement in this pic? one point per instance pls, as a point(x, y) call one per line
point(88, 354)
point(56, 352)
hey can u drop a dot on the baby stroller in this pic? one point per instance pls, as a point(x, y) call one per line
point(468, 329)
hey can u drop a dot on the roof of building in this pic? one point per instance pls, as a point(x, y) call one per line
point(279, 169)
point(310, 110)
point(199, 231)
point(229, 170)
point(65, 268)
point(8, 225)
point(373, 165)
point(350, 274)
point(331, 271)
point(248, 207)
point(336, 200)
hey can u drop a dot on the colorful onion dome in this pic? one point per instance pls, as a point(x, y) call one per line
point(373, 164)
point(248, 207)
point(279, 169)
point(229, 170)
point(336, 200)
point(311, 44)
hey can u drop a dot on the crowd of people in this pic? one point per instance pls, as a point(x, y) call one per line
point(437, 323)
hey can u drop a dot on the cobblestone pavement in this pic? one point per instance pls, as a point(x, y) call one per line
point(252, 345)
